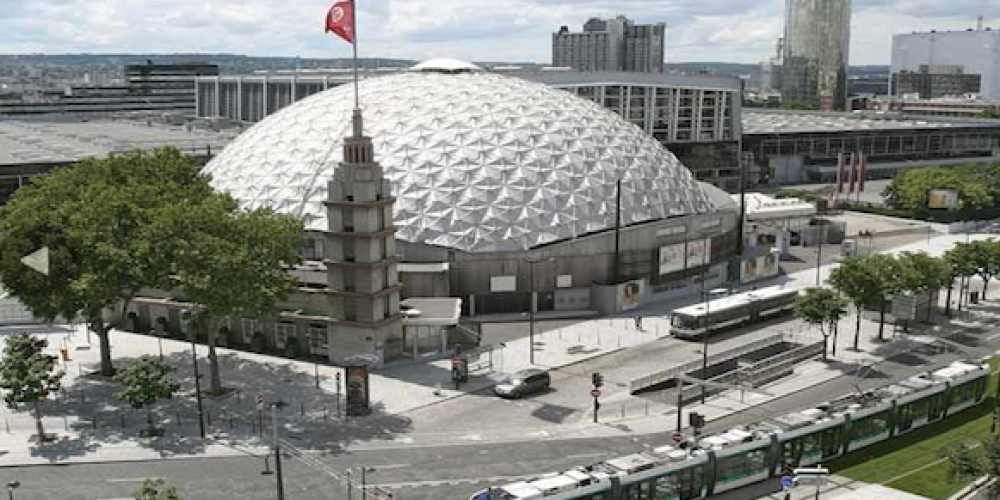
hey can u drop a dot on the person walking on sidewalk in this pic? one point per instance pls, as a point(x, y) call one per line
point(638, 322)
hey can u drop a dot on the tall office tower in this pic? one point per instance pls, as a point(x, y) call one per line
point(611, 45)
point(817, 43)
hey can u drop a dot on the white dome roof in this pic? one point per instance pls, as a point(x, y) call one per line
point(446, 66)
point(478, 161)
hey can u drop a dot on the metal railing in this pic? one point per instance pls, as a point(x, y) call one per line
point(640, 383)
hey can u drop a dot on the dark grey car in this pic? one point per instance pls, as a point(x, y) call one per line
point(523, 383)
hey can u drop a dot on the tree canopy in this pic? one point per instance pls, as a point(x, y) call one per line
point(821, 307)
point(977, 186)
point(117, 225)
point(28, 375)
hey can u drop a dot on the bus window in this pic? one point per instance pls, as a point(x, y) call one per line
point(684, 322)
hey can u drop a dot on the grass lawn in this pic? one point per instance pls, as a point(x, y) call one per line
point(913, 462)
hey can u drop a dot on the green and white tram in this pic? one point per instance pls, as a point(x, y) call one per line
point(740, 308)
point(758, 452)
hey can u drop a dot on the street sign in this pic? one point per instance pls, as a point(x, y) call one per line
point(787, 482)
point(260, 401)
point(595, 393)
point(677, 437)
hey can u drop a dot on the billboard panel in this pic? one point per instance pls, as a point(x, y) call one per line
point(699, 252)
point(942, 198)
point(629, 295)
point(671, 258)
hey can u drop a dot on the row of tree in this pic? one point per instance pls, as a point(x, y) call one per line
point(870, 282)
point(29, 376)
point(144, 220)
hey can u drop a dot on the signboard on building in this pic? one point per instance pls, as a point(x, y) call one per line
point(671, 258)
point(503, 283)
point(699, 252)
point(943, 199)
point(629, 295)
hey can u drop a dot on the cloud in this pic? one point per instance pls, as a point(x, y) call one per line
point(494, 30)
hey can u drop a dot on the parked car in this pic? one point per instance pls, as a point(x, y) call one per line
point(523, 383)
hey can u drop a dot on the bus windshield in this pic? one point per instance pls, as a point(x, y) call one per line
point(683, 321)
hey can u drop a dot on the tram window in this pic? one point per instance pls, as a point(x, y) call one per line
point(869, 426)
point(963, 393)
point(812, 445)
point(831, 441)
point(740, 466)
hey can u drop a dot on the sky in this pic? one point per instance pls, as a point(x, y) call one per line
point(476, 30)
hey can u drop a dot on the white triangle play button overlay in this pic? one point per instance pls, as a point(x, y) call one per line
point(38, 260)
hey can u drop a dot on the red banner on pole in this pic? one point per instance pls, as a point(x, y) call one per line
point(852, 174)
point(340, 20)
point(863, 160)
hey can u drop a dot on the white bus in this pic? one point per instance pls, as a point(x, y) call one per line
point(720, 313)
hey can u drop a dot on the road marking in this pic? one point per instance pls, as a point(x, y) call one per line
point(472, 437)
point(130, 479)
point(586, 455)
point(390, 466)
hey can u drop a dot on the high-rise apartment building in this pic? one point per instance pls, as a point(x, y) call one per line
point(611, 45)
point(817, 43)
point(934, 81)
point(975, 51)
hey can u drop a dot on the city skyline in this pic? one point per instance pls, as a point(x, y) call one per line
point(518, 30)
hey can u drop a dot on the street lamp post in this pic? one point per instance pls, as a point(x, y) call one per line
point(707, 296)
point(11, 486)
point(277, 448)
point(197, 386)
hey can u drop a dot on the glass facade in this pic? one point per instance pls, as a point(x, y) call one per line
point(817, 42)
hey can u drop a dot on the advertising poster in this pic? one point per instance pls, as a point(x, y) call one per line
point(357, 391)
point(630, 295)
point(671, 258)
point(943, 199)
point(699, 252)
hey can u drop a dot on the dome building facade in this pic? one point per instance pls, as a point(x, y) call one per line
point(505, 193)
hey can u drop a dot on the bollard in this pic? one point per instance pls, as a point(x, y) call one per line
point(302, 408)
point(178, 414)
point(578, 335)
point(230, 422)
point(208, 417)
point(325, 414)
point(6, 423)
point(93, 423)
point(83, 397)
point(65, 423)
point(238, 402)
point(619, 339)
point(123, 422)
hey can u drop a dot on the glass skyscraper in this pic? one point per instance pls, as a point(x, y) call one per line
point(817, 42)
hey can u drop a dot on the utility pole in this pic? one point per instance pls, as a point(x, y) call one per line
point(531, 312)
point(277, 448)
point(197, 387)
point(708, 329)
point(819, 252)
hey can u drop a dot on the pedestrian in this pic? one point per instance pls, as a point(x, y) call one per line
point(638, 322)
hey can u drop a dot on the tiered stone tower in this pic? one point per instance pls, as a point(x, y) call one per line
point(362, 277)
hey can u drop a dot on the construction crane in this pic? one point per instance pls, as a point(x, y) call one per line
point(983, 7)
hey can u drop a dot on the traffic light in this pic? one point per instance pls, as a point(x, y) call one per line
point(697, 420)
point(597, 379)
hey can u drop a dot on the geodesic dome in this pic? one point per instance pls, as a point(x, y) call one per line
point(479, 162)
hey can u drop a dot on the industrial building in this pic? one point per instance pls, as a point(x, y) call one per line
point(804, 147)
point(695, 117)
point(934, 81)
point(505, 193)
point(148, 87)
point(974, 51)
point(32, 148)
point(816, 48)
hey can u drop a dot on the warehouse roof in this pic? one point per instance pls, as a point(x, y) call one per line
point(32, 142)
point(781, 121)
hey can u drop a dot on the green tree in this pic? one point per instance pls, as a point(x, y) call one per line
point(967, 463)
point(990, 113)
point(233, 263)
point(887, 274)
point(146, 381)
point(985, 256)
point(97, 218)
point(854, 279)
point(28, 375)
point(960, 266)
point(155, 489)
point(908, 191)
point(920, 273)
point(821, 307)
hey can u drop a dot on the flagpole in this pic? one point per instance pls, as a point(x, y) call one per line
point(354, 44)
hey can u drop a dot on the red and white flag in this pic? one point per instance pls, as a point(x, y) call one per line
point(340, 20)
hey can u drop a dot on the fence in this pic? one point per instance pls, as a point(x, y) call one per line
point(640, 383)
